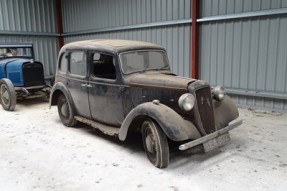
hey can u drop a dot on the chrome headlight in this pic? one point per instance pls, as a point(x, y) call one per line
point(186, 101)
point(218, 93)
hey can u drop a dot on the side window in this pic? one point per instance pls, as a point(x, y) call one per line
point(78, 64)
point(63, 63)
point(104, 66)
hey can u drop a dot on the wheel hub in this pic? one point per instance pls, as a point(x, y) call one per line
point(64, 109)
point(4, 95)
point(149, 143)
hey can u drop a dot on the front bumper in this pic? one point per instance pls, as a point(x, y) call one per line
point(41, 91)
point(206, 138)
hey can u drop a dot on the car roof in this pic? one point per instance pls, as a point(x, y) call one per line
point(114, 45)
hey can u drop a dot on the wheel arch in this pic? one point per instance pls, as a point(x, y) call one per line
point(60, 89)
point(172, 124)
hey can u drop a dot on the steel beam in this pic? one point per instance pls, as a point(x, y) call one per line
point(257, 93)
point(59, 22)
point(194, 39)
point(130, 27)
point(244, 15)
point(19, 33)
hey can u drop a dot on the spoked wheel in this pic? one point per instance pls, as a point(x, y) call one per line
point(66, 112)
point(155, 144)
point(7, 95)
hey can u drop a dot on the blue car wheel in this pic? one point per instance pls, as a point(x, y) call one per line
point(7, 95)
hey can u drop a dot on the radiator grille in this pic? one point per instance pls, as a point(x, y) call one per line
point(204, 102)
point(33, 74)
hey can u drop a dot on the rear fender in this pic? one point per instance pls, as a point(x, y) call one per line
point(173, 125)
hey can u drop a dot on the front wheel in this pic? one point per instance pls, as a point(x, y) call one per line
point(7, 95)
point(155, 144)
point(66, 112)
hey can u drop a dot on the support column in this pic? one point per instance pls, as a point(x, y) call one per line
point(59, 22)
point(194, 39)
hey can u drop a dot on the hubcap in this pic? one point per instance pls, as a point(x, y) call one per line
point(65, 110)
point(150, 143)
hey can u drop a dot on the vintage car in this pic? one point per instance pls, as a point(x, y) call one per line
point(118, 86)
point(20, 75)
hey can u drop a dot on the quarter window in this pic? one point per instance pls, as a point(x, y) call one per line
point(64, 63)
point(78, 64)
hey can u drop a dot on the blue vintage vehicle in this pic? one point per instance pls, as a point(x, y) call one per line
point(20, 75)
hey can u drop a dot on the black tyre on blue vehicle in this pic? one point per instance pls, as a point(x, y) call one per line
point(8, 97)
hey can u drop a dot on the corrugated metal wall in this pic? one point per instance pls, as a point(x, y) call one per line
point(243, 43)
point(246, 55)
point(132, 19)
point(31, 21)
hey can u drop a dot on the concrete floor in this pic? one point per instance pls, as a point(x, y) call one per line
point(38, 153)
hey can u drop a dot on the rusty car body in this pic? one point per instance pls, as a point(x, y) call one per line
point(118, 86)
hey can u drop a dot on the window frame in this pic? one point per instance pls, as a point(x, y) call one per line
point(69, 64)
point(142, 50)
point(92, 75)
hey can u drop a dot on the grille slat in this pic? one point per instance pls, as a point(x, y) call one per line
point(205, 107)
point(33, 74)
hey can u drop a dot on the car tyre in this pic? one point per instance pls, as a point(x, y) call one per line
point(8, 97)
point(155, 144)
point(66, 112)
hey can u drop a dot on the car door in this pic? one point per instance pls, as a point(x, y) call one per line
point(77, 82)
point(105, 93)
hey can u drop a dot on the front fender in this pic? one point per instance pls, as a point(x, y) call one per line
point(173, 125)
point(224, 112)
point(60, 88)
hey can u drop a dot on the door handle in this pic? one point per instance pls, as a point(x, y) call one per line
point(86, 85)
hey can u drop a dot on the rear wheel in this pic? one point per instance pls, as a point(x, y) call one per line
point(7, 95)
point(66, 112)
point(155, 144)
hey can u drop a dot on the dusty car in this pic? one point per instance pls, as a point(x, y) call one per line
point(20, 75)
point(118, 86)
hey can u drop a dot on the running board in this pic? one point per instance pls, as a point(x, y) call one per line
point(107, 130)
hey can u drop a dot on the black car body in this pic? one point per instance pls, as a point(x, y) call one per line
point(117, 86)
point(20, 75)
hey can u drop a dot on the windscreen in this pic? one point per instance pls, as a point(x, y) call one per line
point(138, 61)
point(15, 52)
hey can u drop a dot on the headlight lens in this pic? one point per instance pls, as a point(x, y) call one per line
point(186, 101)
point(218, 93)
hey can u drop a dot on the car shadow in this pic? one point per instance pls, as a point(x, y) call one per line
point(189, 159)
point(31, 102)
point(133, 142)
point(196, 159)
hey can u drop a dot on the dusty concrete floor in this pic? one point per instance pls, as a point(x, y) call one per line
point(38, 153)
